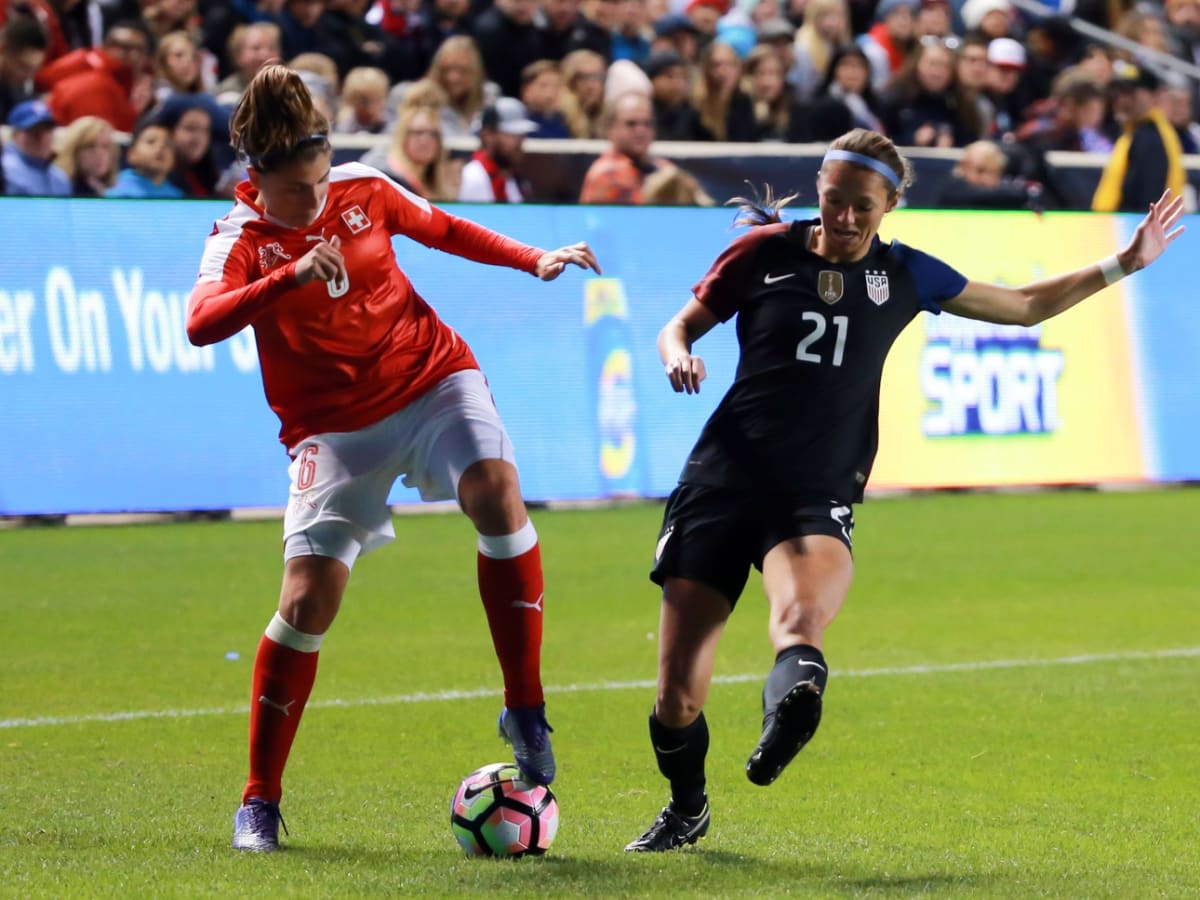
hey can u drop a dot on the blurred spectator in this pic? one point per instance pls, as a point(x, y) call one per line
point(771, 99)
point(672, 186)
point(1183, 24)
point(445, 18)
point(220, 20)
point(990, 18)
point(674, 117)
point(161, 17)
point(1177, 101)
point(22, 52)
point(601, 19)
point(619, 173)
point(416, 157)
point(541, 92)
point(971, 74)
point(88, 154)
point(625, 77)
point(675, 31)
point(888, 42)
point(351, 41)
point(849, 82)
point(826, 27)
point(27, 160)
point(704, 15)
point(300, 27)
point(457, 70)
point(82, 21)
point(1005, 89)
point(147, 164)
point(490, 176)
point(923, 108)
point(195, 122)
point(1098, 63)
point(177, 66)
point(933, 19)
point(43, 13)
point(564, 28)
point(583, 93)
point(779, 34)
point(1148, 157)
point(250, 48)
point(1051, 45)
point(362, 107)
point(632, 33)
point(724, 109)
point(979, 182)
point(1145, 28)
point(111, 81)
point(508, 41)
point(320, 75)
point(1072, 118)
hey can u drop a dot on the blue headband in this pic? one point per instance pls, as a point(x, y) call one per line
point(868, 161)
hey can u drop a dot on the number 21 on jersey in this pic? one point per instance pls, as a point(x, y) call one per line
point(820, 325)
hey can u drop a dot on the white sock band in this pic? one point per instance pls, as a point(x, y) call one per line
point(1110, 268)
point(508, 546)
point(281, 632)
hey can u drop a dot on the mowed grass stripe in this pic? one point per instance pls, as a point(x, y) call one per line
point(642, 684)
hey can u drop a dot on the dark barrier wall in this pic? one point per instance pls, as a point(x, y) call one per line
point(104, 406)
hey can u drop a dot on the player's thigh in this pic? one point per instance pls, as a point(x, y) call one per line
point(459, 427)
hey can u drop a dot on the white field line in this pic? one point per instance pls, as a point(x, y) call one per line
point(476, 693)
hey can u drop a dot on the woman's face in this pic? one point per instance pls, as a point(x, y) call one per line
point(935, 68)
point(94, 158)
point(588, 85)
point(830, 25)
point(423, 141)
point(767, 78)
point(295, 194)
point(852, 202)
point(723, 67)
point(182, 64)
point(192, 136)
point(456, 75)
point(852, 74)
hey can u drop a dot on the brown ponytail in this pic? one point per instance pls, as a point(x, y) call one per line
point(276, 122)
point(761, 209)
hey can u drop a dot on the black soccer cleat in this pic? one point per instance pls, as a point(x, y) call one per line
point(671, 831)
point(786, 729)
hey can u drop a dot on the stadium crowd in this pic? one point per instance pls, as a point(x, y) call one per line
point(77, 76)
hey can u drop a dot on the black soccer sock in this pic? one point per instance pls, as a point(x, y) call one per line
point(803, 662)
point(681, 753)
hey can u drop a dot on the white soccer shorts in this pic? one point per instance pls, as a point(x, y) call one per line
point(340, 481)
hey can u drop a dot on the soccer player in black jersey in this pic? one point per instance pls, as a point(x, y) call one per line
point(772, 480)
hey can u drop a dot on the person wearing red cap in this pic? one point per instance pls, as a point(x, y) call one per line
point(704, 14)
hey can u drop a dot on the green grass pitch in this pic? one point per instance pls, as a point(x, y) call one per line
point(1012, 712)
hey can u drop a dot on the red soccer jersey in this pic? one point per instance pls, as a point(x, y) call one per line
point(339, 356)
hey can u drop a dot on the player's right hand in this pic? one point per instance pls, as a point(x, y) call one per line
point(685, 372)
point(324, 262)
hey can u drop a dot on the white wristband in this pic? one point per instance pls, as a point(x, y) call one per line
point(1110, 268)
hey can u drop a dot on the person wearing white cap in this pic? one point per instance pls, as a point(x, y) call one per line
point(490, 176)
point(1006, 66)
point(990, 17)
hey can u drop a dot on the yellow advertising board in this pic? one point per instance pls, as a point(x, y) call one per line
point(966, 403)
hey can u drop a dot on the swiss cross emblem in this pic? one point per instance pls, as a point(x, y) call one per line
point(356, 219)
point(877, 287)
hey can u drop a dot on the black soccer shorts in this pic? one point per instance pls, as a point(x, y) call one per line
point(714, 535)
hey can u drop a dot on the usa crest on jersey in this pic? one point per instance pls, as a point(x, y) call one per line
point(356, 219)
point(877, 287)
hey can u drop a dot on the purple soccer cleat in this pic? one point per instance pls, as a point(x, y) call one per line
point(526, 728)
point(256, 826)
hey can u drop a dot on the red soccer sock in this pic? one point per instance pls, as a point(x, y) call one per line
point(283, 679)
point(511, 590)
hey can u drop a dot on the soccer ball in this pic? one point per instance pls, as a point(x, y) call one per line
point(496, 812)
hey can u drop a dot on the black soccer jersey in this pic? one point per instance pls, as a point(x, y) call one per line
point(801, 418)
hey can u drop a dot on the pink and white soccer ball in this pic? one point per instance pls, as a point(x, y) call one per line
point(496, 812)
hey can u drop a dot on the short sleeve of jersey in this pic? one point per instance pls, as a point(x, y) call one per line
point(724, 284)
point(936, 282)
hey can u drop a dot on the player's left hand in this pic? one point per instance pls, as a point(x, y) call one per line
point(1154, 233)
point(551, 264)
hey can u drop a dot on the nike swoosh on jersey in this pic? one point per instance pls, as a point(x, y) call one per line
point(771, 279)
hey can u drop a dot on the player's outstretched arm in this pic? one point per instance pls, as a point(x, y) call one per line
point(1044, 299)
point(550, 265)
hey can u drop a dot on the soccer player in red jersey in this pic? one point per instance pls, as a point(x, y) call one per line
point(369, 385)
point(778, 466)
